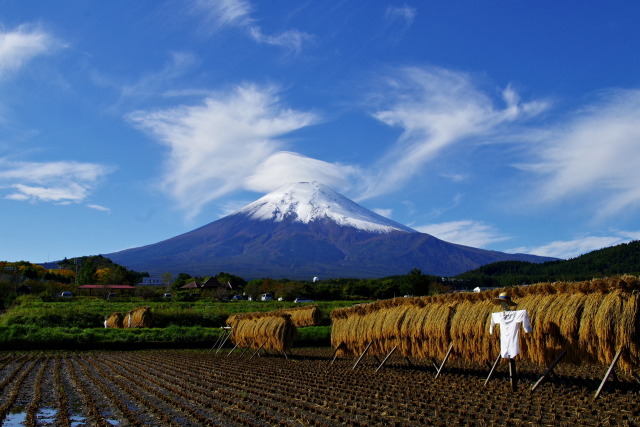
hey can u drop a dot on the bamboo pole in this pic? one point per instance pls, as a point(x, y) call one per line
point(259, 348)
point(223, 342)
point(362, 355)
point(549, 370)
point(385, 359)
point(247, 348)
point(493, 368)
point(609, 371)
point(444, 360)
point(231, 351)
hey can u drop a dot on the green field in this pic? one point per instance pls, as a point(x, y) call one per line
point(77, 323)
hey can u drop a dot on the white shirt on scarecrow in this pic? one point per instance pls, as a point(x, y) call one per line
point(510, 322)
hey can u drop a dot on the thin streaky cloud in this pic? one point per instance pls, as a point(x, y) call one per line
point(224, 13)
point(595, 152)
point(99, 208)
point(57, 182)
point(178, 64)
point(387, 213)
point(44, 172)
point(566, 249)
point(465, 232)
point(71, 192)
point(405, 14)
point(292, 40)
point(219, 14)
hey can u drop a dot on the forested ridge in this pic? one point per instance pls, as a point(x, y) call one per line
point(614, 260)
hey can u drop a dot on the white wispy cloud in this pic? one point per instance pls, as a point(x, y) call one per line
point(566, 249)
point(594, 153)
point(99, 208)
point(56, 182)
point(224, 13)
point(216, 146)
point(435, 108)
point(21, 45)
point(177, 65)
point(466, 232)
point(237, 13)
point(404, 14)
point(387, 213)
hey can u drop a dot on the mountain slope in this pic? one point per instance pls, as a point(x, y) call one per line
point(304, 230)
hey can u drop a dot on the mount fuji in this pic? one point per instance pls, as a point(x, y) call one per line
point(304, 230)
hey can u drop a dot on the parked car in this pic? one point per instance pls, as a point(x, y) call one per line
point(66, 294)
point(301, 299)
point(237, 298)
point(266, 297)
point(167, 295)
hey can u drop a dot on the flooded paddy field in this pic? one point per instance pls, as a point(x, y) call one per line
point(198, 387)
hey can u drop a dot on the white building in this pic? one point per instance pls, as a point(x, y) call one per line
point(151, 281)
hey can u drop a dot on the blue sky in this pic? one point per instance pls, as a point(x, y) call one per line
point(512, 126)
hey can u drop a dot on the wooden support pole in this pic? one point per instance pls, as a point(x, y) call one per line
point(609, 371)
point(234, 347)
point(259, 348)
point(224, 332)
point(362, 355)
point(493, 368)
point(247, 348)
point(223, 342)
point(444, 360)
point(335, 354)
point(549, 370)
point(386, 358)
point(513, 375)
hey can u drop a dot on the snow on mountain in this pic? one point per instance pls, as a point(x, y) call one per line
point(304, 230)
point(306, 202)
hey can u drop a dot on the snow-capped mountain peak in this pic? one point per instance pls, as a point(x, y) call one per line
point(306, 202)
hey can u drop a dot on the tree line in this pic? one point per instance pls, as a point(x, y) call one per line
point(615, 260)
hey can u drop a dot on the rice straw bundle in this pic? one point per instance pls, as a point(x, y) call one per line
point(592, 320)
point(309, 315)
point(555, 320)
point(432, 335)
point(271, 330)
point(628, 334)
point(114, 320)
point(138, 318)
point(606, 323)
point(470, 331)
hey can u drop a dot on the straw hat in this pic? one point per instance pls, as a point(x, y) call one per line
point(504, 297)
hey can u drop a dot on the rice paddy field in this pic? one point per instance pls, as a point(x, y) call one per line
point(202, 387)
